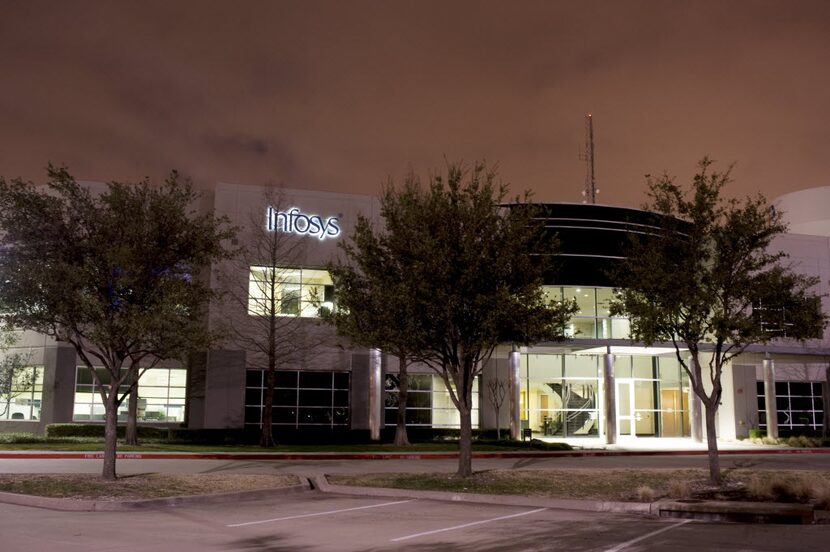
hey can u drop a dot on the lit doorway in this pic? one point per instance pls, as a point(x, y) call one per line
point(625, 408)
point(636, 408)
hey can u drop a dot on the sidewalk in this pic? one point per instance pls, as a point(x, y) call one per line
point(635, 447)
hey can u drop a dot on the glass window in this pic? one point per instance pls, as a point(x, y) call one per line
point(669, 369)
point(799, 403)
point(642, 367)
point(161, 396)
point(585, 300)
point(315, 380)
point(283, 378)
point(582, 366)
point(604, 297)
point(428, 402)
point(620, 328)
point(286, 291)
point(593, 318)
point(300, 398)
point(582, 328)
point(544, 366)
point(418, 402)
point(22, 397)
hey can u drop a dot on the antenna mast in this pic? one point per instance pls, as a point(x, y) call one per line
point(590, 192)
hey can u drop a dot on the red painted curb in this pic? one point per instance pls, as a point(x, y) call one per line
point(385, 455)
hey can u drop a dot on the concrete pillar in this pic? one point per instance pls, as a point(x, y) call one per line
point(609, 398)
point(513, 385)
point(58, 385)
point(375, 394)
point(216, 389)
point(825, 392)
point(695, 409)
point(769, 398)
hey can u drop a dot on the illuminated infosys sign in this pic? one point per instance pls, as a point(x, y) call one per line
point(294, 221)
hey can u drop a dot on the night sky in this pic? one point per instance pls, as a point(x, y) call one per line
point(341, 95)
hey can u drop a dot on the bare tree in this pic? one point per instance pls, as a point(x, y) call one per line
point(271, 300)
point(496, 393)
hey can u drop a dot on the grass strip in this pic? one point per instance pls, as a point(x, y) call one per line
point(625, 485)
point(136, 487)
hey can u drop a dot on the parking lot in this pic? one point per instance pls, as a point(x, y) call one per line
point(313, 521)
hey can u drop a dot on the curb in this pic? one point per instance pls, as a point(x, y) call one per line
point(743, 512)
point(80, 505)
point(42, 455)
point(746, 512)
point(321, 482)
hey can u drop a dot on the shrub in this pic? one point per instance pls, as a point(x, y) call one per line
point(756, 433)
point(97, 431)
point(802, 441)
point(20, 438)
point(798, 488)
point(645, 494)
point(822, 495)
point(679, 488)
point(216, 436)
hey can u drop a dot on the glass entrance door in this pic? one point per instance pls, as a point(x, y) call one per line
point(625, 408)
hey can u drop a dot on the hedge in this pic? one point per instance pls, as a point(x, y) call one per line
point(97, 430)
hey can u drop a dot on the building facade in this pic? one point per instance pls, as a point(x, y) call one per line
point(596, 386)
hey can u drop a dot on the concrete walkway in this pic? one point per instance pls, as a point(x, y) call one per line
point(637, 447)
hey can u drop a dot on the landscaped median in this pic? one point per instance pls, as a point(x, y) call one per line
point(746, 495)
point(776, 495)
point(91, 492)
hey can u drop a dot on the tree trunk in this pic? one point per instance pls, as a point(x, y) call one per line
point(266, 439)
point(401, 437)
point(498, 424)
point(465, 445)
point(712, 442)
point(131, 431)
point(110, 433)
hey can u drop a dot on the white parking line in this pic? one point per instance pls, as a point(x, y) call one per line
point(319, 513)
point(425, 533)
point(638, 539)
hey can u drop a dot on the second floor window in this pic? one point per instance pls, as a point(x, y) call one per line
point(289, 291)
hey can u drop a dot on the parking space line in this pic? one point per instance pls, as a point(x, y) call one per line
point(320, 513)
point(643, 537)
point(425, 533)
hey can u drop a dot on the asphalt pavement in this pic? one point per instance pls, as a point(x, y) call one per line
point(310, 520)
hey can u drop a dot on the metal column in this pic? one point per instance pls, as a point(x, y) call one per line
point(375, 394)
point(513, 388)
point(695, 409)
point(610, 398)
point(769, 398)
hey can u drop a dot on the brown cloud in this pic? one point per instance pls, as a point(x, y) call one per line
point(339, 95)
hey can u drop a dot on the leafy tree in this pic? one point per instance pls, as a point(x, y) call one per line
point(708, 282)
point(461, 280)
point(115, 275)
point(372, 306)
point(261, 284)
